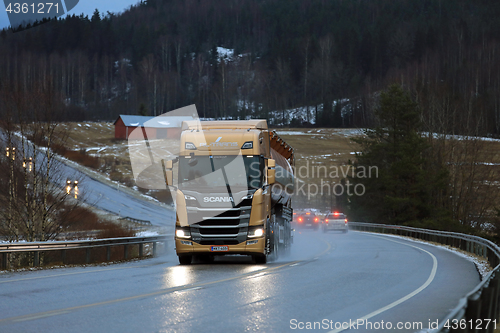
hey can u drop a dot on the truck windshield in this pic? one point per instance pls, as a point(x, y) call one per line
point(216, 172)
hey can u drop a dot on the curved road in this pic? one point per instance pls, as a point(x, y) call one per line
point(115, 200)
point(328, 278)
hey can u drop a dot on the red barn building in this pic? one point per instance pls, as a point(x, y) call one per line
point(156, 127)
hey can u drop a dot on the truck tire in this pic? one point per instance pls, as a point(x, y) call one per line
point(185, 259)
point(260, 258)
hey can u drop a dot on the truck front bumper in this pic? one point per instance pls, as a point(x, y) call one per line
point(251, 246)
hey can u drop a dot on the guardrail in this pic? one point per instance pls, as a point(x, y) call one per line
point(478, 307)
point(143, 222)
point(9, 249)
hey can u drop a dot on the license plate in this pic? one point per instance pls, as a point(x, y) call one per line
point(218, 248)
point(308, 224)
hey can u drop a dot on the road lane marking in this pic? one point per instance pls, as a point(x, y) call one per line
point(193, 286)
point(72, 273)
point(33, 316)
point(259, 274)
point(405, 298)
point(44, 315)
point(189, 289)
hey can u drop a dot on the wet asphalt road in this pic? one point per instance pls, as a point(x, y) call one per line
point(328, 278)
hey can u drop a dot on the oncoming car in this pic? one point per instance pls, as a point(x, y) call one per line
point(307, 220)
point(335, 221)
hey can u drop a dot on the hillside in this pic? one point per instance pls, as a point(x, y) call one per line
point(164, 54)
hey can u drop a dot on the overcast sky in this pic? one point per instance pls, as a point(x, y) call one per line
point(86, 7)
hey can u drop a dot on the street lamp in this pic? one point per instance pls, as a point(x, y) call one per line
point(10, 151)
point(76, 191)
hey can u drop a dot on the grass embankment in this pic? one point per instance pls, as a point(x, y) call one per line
point(93, 145)
point(82, 220)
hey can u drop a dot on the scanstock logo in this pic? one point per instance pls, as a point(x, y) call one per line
point(22, 13)
point(218, 199)
point(150, 155)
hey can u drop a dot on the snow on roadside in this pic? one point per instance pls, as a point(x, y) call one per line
point(344, 132)
point(460, 137)
point(147, 233)
point(293, 133)
point(482, 264)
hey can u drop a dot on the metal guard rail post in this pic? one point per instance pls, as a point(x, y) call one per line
point(36, 247)
point(479, 304)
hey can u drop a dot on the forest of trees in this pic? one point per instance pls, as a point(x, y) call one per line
point(331, 57)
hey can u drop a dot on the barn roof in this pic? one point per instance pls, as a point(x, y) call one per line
point(153, 122)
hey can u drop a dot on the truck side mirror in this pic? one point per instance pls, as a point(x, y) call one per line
point(271, 171)
point(168, 167)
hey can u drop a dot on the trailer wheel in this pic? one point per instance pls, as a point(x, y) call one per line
point(185, 260)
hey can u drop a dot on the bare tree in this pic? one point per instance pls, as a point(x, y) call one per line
point(33, 205)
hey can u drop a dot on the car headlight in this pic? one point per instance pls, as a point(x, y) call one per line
point(182, 233)
point(257, 232)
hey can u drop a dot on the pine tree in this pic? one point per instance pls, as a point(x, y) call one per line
point(402, 189)
point(143, 111)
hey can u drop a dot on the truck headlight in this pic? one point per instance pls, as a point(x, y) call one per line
point(247, 145)
point(189, 146)
point(182, 233)
point(257, 232)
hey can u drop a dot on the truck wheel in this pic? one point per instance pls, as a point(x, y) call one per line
point(260, 258)
point(185, 260)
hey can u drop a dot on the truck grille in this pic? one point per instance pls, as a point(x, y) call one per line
point(215, 222)
point(219, 231)
point(228, 227)
point(219, 242)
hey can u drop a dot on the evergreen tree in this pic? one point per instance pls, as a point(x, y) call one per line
point(143, 111)
point(401, 188)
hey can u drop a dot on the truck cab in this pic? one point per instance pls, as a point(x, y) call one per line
point(225, 202)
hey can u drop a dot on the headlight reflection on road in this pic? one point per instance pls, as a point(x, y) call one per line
point(256, 290)
point(178, 276)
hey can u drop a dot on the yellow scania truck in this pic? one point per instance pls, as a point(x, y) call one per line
point(234, 190)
